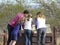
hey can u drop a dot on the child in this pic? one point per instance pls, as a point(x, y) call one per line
point(41, 29)
point(12, 24)
point(28, 29)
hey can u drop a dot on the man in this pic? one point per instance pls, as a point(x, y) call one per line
point(12, 24)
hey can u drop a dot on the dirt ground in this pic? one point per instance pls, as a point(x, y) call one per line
point(58, 39)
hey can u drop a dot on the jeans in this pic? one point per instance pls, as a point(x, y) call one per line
point(28, 35)
point(41, 34)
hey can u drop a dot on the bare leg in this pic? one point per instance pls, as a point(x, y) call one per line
point(13, 42)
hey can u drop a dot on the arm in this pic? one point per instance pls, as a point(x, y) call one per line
point(23, 21)
point(35, 22)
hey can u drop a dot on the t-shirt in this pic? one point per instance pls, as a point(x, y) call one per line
point(28, 24)
point(15, 19)
point(41, 23)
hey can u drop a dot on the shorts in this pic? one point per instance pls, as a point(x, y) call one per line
point(14, 33)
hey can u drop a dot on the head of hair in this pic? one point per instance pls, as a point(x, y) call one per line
point(29, 16)
point(26, 12)
point(39, 14)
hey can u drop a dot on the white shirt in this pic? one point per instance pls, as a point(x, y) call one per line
point(41, 23)
point(28, 24)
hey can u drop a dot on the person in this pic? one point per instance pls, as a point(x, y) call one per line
point(13, 26)
point(28, 29)
point(41, 28)
point(14, 33)
point(35, 22)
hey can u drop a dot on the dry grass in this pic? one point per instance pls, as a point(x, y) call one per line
point(58, 38)
point(58, 41)
point(1, 40)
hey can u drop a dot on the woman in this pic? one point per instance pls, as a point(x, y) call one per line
point(28, 29)
point(41, 28)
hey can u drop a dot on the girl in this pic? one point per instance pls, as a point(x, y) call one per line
point(28, 30)
point(13, 27)
point(41, 29)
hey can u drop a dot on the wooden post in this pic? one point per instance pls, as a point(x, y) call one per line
point(54, 35)
point(4, 37)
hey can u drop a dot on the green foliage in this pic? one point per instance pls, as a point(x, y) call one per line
point(1, 15)
point(11, 10)
point(8, 13)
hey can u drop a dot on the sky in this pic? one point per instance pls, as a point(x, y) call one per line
point(11, 1)
point(31, 3)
